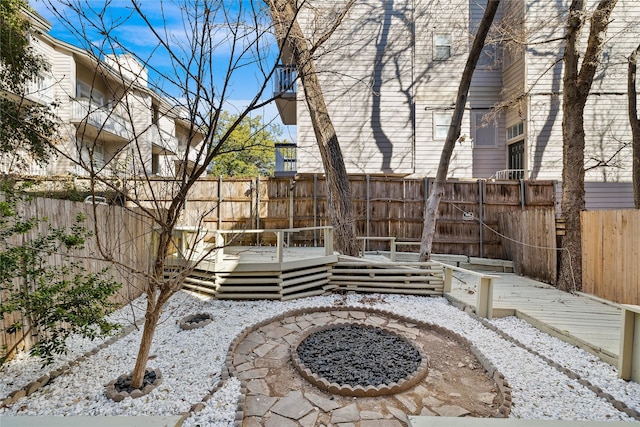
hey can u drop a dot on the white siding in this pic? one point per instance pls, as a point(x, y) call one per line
point(366, 74)
point(606, 124)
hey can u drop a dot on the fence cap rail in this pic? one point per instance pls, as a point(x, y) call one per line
point(274, 230)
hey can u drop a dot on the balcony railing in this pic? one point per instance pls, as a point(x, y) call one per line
point(508, 174)
point(164, 140)
point(41, 90)
point(101, 118)
point(285, 83)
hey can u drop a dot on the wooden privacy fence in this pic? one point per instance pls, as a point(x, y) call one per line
point(384, 207)
point(529, 240)
point(611, 255)
point(125, 234)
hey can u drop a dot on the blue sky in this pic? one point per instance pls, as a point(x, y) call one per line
point(134, 34)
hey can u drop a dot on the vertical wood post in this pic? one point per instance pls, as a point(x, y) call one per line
point(220, 202)
point(629, 357)
point(328, 241)
point(219, 254)
point(484, 305)
point(258, 209)
point(448, 278)
point(481, 219)
point(368, 208)
point(292, 184)
point(315, 209)
point(279, 244)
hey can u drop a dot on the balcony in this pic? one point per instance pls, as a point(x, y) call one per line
point(40, 90)
point(286, 160)
point(105, 121)
point(163, 142)
point(284, 91)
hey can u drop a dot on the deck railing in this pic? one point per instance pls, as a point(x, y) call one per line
point(280, 240)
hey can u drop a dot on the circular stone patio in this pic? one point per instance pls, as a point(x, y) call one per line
point(457, 384)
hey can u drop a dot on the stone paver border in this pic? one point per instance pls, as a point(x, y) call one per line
point(504, 391)
point(36, 385)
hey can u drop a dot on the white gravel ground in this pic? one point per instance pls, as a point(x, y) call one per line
point(191, 362)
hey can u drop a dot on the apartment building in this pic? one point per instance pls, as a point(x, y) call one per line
point(391, 71)
point(110, 121)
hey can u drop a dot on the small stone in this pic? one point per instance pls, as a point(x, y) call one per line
point(425, 412)
point(408, 402)
point(136, 393)
point(44, 380)
point(399, 414)
point(149, 388)
point(258, 405)
point(486, 398)
point(451, 411)
point(326, 404)
point(198, 407)
point(258, 387)
point(277, 421)
point(293, 406)
point(347, 414)
point(119, 397)
point(371, 415)
point(32, 387)
point(18, 394)
point(431, 401)
point(309, 420)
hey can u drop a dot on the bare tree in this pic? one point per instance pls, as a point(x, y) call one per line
point(579, 72)
point(289, 34)
point(211, 44)
point(632, 93)
point(453, 135)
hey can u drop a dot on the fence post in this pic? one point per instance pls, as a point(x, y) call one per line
point(523, 201)
point(292, 185)
point(315, 210)
point(368, 217)
point(480, 201)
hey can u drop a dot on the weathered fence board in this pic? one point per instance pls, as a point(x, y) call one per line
point(383, 206)
point(530, 242)
point(611, 254)
point(124, 234)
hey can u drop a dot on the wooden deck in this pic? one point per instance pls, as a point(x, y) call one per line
point(574, 318)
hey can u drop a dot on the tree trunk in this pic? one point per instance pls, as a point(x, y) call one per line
point(340, 209)
point(151, 318)
point(635, 125)
point(576, 85)
point(437, 189)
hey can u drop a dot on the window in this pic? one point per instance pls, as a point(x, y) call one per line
point(515, 130)
point(441, 47)
point(97, 157)
point(484, 132)
point(441, 122)
point(84, 91)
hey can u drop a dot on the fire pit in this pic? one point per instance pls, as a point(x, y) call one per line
point(353, 359)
